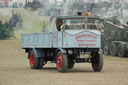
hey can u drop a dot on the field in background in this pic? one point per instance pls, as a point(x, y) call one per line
point(32, 23)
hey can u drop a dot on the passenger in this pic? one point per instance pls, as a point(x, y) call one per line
point(89, 13)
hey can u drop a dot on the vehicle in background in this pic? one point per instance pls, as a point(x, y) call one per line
point(115, 38)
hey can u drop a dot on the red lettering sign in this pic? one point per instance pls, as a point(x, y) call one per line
point(86, 40)
point(86, 35)
point(88, 45)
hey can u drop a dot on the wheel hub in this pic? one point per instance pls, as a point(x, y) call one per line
point(59, 61)
point(32, 59)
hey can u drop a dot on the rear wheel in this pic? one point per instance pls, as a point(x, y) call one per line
point(113, 50)
point(33, 60)
point(36, 63)
point(97, 62)
point(61, 62)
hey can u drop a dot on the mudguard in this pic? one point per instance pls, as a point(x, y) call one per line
point(62, 50)
point(39, 52)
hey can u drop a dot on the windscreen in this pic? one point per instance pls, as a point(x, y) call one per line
point(77, 24)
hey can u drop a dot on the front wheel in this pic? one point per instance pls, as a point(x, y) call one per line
point(61, 62)
point(97, 62)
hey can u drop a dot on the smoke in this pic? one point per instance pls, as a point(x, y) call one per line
point(32, 23)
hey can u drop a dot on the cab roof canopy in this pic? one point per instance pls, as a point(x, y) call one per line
point(77, 17)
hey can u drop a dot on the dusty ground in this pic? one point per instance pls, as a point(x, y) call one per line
point(14, 70)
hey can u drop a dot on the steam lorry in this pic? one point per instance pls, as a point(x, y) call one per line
point(73, 39)
point(115, 39)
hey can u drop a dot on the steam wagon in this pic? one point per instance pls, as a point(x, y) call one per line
point(115, 39)
point(74, 39)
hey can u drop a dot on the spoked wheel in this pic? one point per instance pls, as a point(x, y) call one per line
point(97, 62)
point(61, 62)
point(34, 62)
